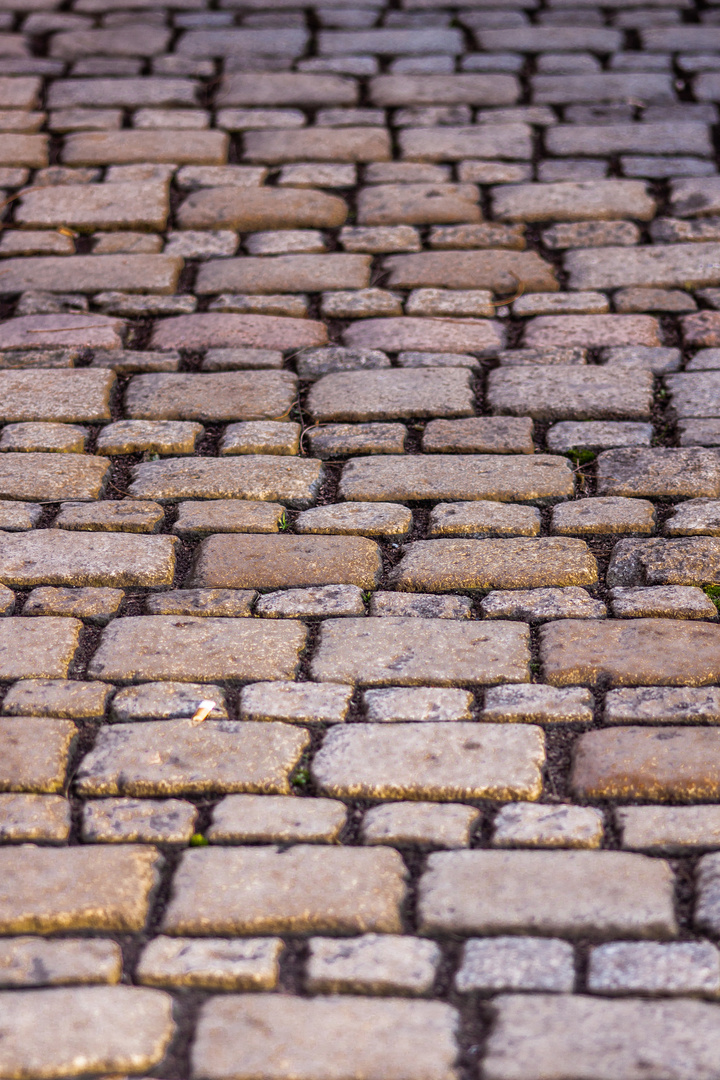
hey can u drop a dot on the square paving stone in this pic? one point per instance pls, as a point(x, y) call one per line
point(431, 761)
point(663, 705)
point(417, 652)
point(33, 818)
point(637, 652)
point(118, 821)
point(350, 519)
point(275, 1036)
point(248, 819)
point(227, 515)
point(229, 603)
point(417, 703)
point(541, 605)
point(648, 967)
point(35, 753)
point(62, 698)
point(156, 647)
point(586, 517)
point(117, 515)
point(664, 765)
point(540, 478)
point(167, 701)
point(39, 648)
point(692, 560)
point(483, 518)
point(479, 435)
point(29, 961)
point(573, 1035)
point(372, 964)
point(51, 478)
point(389, 395)
point(555, 826)
point(179, 757)
point(662, 601)
point(448, 565)
point(293, 702)
point(49, 890)
point(215, 396)
point(596, 894)
point(516, 963)
point(420, 824)
point(60, 396)
point(669, 830)
point(570, 393)
point(307, 888)
point(96, 605)
point(273, 562)
point(263, 477)
point(660, 473)
point(56, 557)
point(420, 606)
point(210, 964)
point(54, 1032)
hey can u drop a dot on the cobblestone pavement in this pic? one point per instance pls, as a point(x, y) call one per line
point(360, 378)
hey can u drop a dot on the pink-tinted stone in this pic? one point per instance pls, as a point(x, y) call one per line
point(592, 331)
point(429, 335)
point(216, 330)
point(61, 331)
point(702, 330)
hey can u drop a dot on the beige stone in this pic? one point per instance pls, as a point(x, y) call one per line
point(426, 89)
point(540, 478)
point(252, 209)
point(600, 200)
point(554, 826)
point(97, 606)
point(34, 753)
point(500, 271)
point(213, 396)
point(232, 603)
point(430, 761)
point(18, 517)
point(209, 330)
point(29, 150)
point(271, 562)
point(174, 757)
point(596, 894)
point(420, 652)
point(586, 517)
point(264, 477)
point(538, 704)
point(658, 266)
point(637, 652)
point(50, 890)
point(167, 701)
point(389, 394)
point(662, 601)
point(663, 705)
point(373, 963)
point(314, 144)
point(130, 147)
point(540, 605)
point(211, 964)
point(56, 557)
point(671, 830)
point(296, 702)
point(483, 141)
point(89, 274)
point(117, 515)
point(38, 648)
point(662, 472)
point(363, 519)
point(88, 207)
point(418, 703)
point(286, 88)
point(570, 393)
point(151, 436)
point(31, 961)
point(276, 818)
point(452, 302)
point(65, 698)
point(450, 565)
point(227, 515)
point(246, 1036)
point(435, 335)
point(418, 204)
point(139, 649)
point(261, 437)
point(42, 437)
point(483, 518)
point(403, 824)
point(306, 888)
point(284, 274)
point(319, 601)
point(62, 396)
point(32, 818)
point(52, 477)
point(593, 331)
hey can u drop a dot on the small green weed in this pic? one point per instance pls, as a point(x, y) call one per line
point(198, 840)
point(713, 593)
point(581, 457)
point(283, 523)
point(367, 597)
point(301, 777)
point(535, 667)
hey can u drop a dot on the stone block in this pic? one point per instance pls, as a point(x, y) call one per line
point(386, 395)
point(229, 603)
point(661, 266)
point(295, 702)
point(479, 435)
point(251, 819)
point(148, 436)
point(49, 437)
point(318, 144)
point(268, 562)
point(61, 558)
point(420, 824)
point(256, 477)
point(669, 830)
point(660, 473)
point(418, 703)
point(63, 698)
point(167, 700)
point(372, 964)
point(597, 435)
point(497, 270)
point(119, 821)
point(29, 961)
point(320, 602)
point(227, 515)
point(51, 477)
point(613, 515)
point(132, 147)
point(570, 393)
point(210, 964)
point(558, 825)
point(509, 141)
point(662, 601)
point(663, 705)
point(35, 753)
point(573, 201)
point(348, 519)
point(483, 518)
point(89, 274)
point(651, 968)
point(212, 330)
point(216, 396)
point(691, 560)
point(516, 963)
point(38, 648)
point(252, 209)
point(95, 605)
point(538, 704)
point(420, 606)
point(30, 818)
point(61, 396)
point(89, 207)
point(126, 516)
point(397, 334)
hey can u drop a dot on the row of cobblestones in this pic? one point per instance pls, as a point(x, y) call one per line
point(359, 540)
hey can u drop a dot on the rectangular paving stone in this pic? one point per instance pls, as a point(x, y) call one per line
point(18, 517)
point(29, 150)
point(88, 207)
point(372, 964)
point(28, 961)
point(60, 396)
point(304, 889)
point(592, 331)
point(286, 88)
point(483, 518)
point(187, 649)
point(52, 477)
point(479, 435)
point(451, 565)
point(182, 757)
point(540, 605)
point(417, 703)
point(317, 144)
point(64, 698)
point(255, 209)
point(430, 761)
point(167, 700)
point(659, 473)
point(124, 93)
point(51, 890)
point(29, 818)
point(540, 478)
point(213, 330)
point(227, 515)
point(695, 395)
point(538, 704)
point(419, 824)
point(388, 394)
point(466, 89)
point(689, 137)
point(284, 274)
point(276, 818)
point(398, 41)
point(663, 705)
point(672, 830)
point(19, 93)
point(232, 603)
point(292, 702)
point(570, 393)
point(497, 270)
point(145, 821)
point(244, 1036)
point(663, 765)
point(516, 963)
point(508, 141)
point(600, 200)
point(264, 477)
point(210, 964)
point(532, 825)
point(89, 274)
point(214, 397)
point(116, 515)
point(63, 336)
point(692, 560)
point(419, 204)
point(574, 1035)
point(683, 967)
point(131, 147)
point(417, 652)
point(659, 266)
point(56, 557)
point(37, 648)
point(479, 336)
point(35, 752)
point(596, 894)
point(634, 652)
point(272, 562)
point(567, 89)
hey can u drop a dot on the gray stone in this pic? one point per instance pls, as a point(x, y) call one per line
point(418, 606)
point(58, 395)
point(57, 438)
point(663, 705)
point(60, 558)
point(18, 517)
point(227, 515)
point(480, 435)
point(570, 393)
point(118, 821)
point(152, 436)
point(216, 396)
point(597, 435)
point(323, 600)
point(95, 605)
point(655, 359)
point(660, 266)
point(372, 964)
point(692, 560)
point(540, 605)
point(65, 698)
point(599, 894)
point(122, 515)
point(341, 440)
point(554, 826)
point(516, 963)
point(417, 703)
point(420, 824)
point(662, 601)
point(690, 137)
point(358, 518)
point(228, 603)
point(647, 967)
point(388, 395)
point(31, 818)
point(264, 477)
point(38, 648)
point(671, 830)
point(314, 363)
point(697, 517)
point(609, 514)
point(538, 704)
point(243, 819)
point(30, 961)
point(212, 964)
point(293, 702)
point(660, 473)
point(484, 518)
point(52, 477)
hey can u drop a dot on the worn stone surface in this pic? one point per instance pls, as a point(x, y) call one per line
point(651, 968)
point(573, 393)
point(35, 753)
point(32, 818)
point(662, 601)
point(372, 964)
point(419, 824)
point(613, 515)
point(51, 477)
point(558, 826)
point(322, 600)
point(397, 704)
point(63, 698)
point(542, 604)
point(366, 519)
point(62, 558)
point(117, 821)
point(691, 560)
point(537, 703)
point(516, 963)
point(166, 700)
point(95, 605)
point(210, 964)
point(479, 435)
point(37, 648)
point(227, 515)
point(29, 961)
point(389, 395)
point(660, 473)
point(295, 702)
point(275, 818)
point(673, 830)
point(257, 477)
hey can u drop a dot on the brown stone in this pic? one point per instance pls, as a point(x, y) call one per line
point(315, 144)
point(265, 477)
point(130, 147)
point(212, 396)
point(34, 753)
point(390, 394)
point(466, 89)
point(88, 274)
point(286, 88)
point(57, 557)
point(254, 209)
point(434, 335)
point(52, 477)
point(37, 648)
point(59, 395)
point(501, 271)
point(209, 330)
point(284, 274)
point(275, 562)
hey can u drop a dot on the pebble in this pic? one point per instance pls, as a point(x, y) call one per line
point(243, 819)
point(372, 964)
